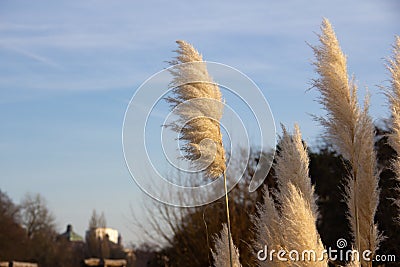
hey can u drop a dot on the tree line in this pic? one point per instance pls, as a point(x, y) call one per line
point(28, 233)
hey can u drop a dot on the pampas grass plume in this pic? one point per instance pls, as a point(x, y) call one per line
point(198, 102)
point(201, 116)
point(268, 229)
point(291, 223)
point(300, 226)
point(292, 165)
point(351, 131)
point(221, 253)
point(394, 101)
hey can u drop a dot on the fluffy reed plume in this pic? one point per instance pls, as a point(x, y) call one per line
point(198, 124)
point(292, 166)
point(293, 227)
point(394, 101)
point(297, 201)
point(221, 255)
point(268, 230)
point(300, 227)
point(198, 102)
point(351, 131)
point(394, 95)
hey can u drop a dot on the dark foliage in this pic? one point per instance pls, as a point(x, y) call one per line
point(191, 245)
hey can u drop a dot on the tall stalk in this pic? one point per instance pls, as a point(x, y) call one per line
point(228, 220)
point(198, 102)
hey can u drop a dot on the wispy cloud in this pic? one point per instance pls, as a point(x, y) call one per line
point(31, 55)
point(91, 38)
point(15, 27)
point(129, 25)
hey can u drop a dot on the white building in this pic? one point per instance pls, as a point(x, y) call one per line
point(103, 232)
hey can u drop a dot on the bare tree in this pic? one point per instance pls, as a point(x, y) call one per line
point(96, 246)
point(12, 236)
point(183, 236)
point(97, 221)
point(35, 216)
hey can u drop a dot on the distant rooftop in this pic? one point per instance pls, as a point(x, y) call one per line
point(70, 235)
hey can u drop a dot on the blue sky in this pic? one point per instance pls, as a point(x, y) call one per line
point(69, 68)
